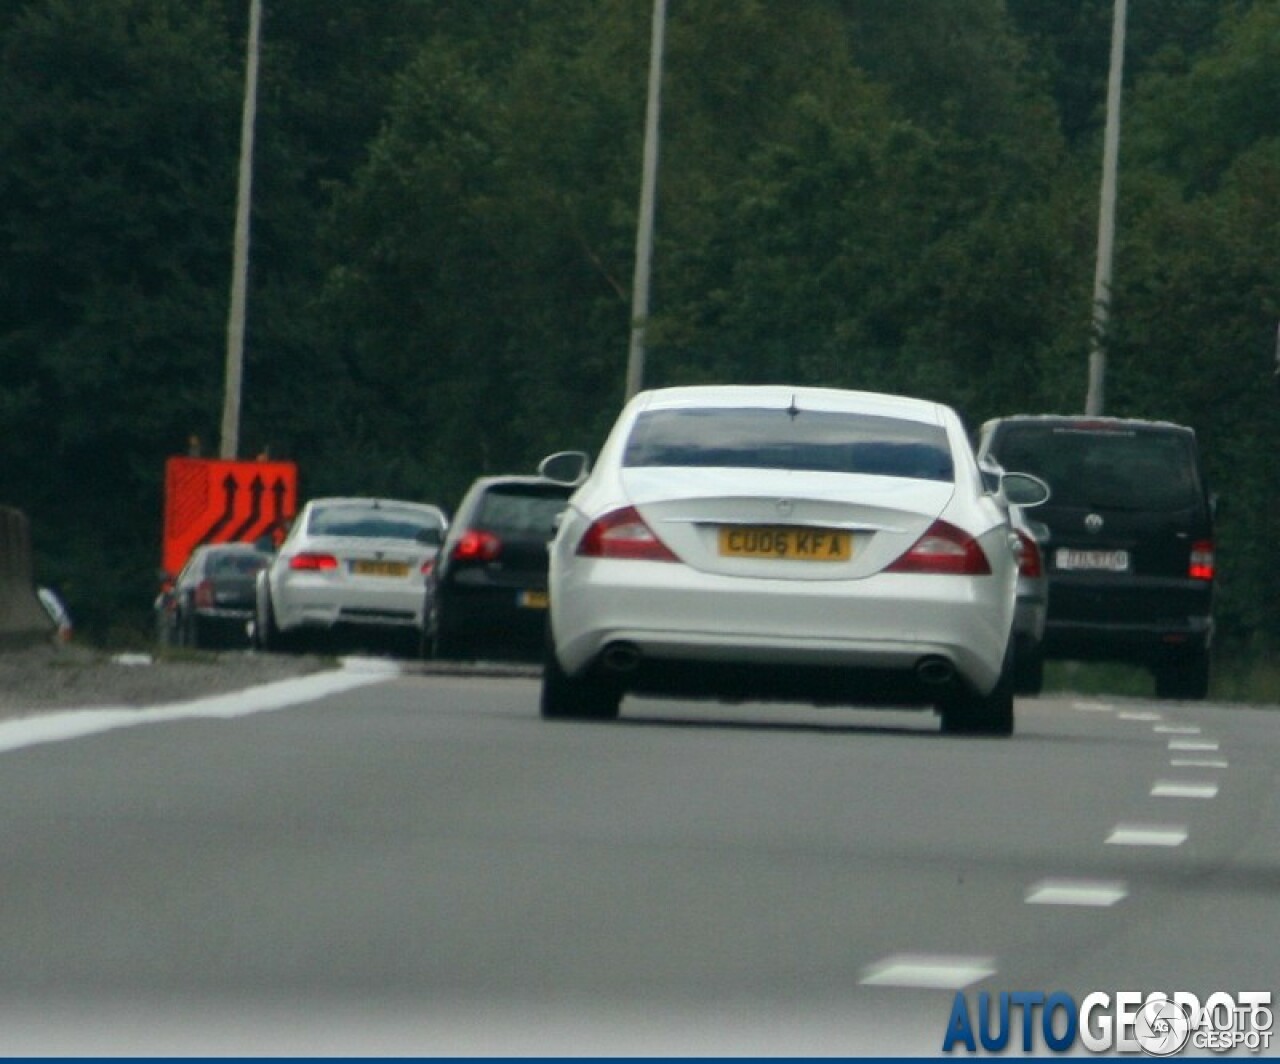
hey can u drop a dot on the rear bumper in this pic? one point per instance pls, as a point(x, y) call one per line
point(300, 607)
point(1141, 621)
point(492, 612)
point(1137, 643)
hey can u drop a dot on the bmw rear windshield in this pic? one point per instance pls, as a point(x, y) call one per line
point(803, 440)
point(1107, 467)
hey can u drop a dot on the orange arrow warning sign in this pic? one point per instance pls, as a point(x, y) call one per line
point(210, 500)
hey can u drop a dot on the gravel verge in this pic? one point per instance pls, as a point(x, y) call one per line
point(43, 678)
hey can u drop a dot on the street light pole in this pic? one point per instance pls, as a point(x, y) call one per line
point(240, 248)
point(1094, 401)
point(648, 191)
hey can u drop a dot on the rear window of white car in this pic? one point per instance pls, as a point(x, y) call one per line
point(815, 441)
point(368, 522)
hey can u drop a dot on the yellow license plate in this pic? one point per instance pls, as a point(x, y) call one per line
point(791, 544)
point(370, 568)
point(533, 600)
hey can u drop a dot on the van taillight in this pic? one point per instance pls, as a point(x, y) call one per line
point(1202, 563)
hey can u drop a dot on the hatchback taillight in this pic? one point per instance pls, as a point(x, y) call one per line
point(204, 597)
point(623, 534)
point(1202, 560)
point(477, 545)
point(944, 549)
point(311, 562)
point(1030, 562)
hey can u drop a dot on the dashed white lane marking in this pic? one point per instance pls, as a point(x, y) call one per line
point(1199, 762)
point(927, 971)
point(1139, 714)
point(1147, 835)
point(1093, 707)
point(1176, 729)
point(77, 723)
point(1183, 789)
point(1189, 746)
point(1090, 892)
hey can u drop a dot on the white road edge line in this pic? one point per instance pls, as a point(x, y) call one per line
point(62, 725)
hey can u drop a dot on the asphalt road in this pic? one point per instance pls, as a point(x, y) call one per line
point(420, 865)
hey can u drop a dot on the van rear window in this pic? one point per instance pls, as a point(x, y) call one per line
point(1125, 469)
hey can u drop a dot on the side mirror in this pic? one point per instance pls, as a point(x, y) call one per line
point(565, 467)
point(1022, 489)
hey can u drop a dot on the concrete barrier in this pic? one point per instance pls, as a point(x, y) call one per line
point(23, 621)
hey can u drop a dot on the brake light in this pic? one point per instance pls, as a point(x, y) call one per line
point(204, 598)
point(308, 561)
point(623, 534)
point(1202, 560)
point(944, 549)
point(477, 545)
point(1030, 562)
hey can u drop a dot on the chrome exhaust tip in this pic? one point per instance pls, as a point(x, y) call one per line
point(935, 671)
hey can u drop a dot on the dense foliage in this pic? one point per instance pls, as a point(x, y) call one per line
point(897, 196)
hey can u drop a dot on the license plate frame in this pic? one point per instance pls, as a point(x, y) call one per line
point(380, 568)
point(1073, 560)
point(791, 543)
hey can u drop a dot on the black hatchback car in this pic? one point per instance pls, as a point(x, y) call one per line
point(487, 594)
point(1130, 551)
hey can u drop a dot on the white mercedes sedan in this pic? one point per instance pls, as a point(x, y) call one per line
point(353, 564)
point(793, 544)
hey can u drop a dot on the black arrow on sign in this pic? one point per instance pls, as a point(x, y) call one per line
point(256, 488)
point(278, 490)
point(229, 488)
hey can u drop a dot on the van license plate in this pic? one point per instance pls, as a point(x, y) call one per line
point(1098, 561)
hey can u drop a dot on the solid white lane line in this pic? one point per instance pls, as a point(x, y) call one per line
point(1183, 789)
point(1198, 762)
point(1176, 729)
point(1147, 835)
point(919, 971)
point(76, 723)
point(1090, 892)
point(1205, 746)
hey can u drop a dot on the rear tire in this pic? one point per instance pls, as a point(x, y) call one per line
point(968, 713)
point(567, 697)
point(266, 634)
point(1184, 680)
point(1028, 670)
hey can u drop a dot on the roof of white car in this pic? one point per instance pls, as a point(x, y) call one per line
point(784, 396)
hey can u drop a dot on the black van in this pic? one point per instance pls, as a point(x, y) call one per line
point(1130, 553)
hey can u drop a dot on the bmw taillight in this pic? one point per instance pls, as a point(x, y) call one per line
point(1030, 562)
point(944, 549)
point(1202, 560)
point(204, 597)
point(310, 562)
point(477, 545)
point(623, 534)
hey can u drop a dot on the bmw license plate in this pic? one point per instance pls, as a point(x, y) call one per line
point(790, 544)
point(397, 570)
point(532, 600)
point(1097, 561)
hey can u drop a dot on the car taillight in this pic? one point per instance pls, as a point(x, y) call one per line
point(427, 567)
point(944, 549)
point(1202, 560)
point(477, 545)
point(308, 561)
point(204, 598)
point(1030, 563)
point(623, 534)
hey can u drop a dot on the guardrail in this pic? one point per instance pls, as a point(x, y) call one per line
point(23, 621)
